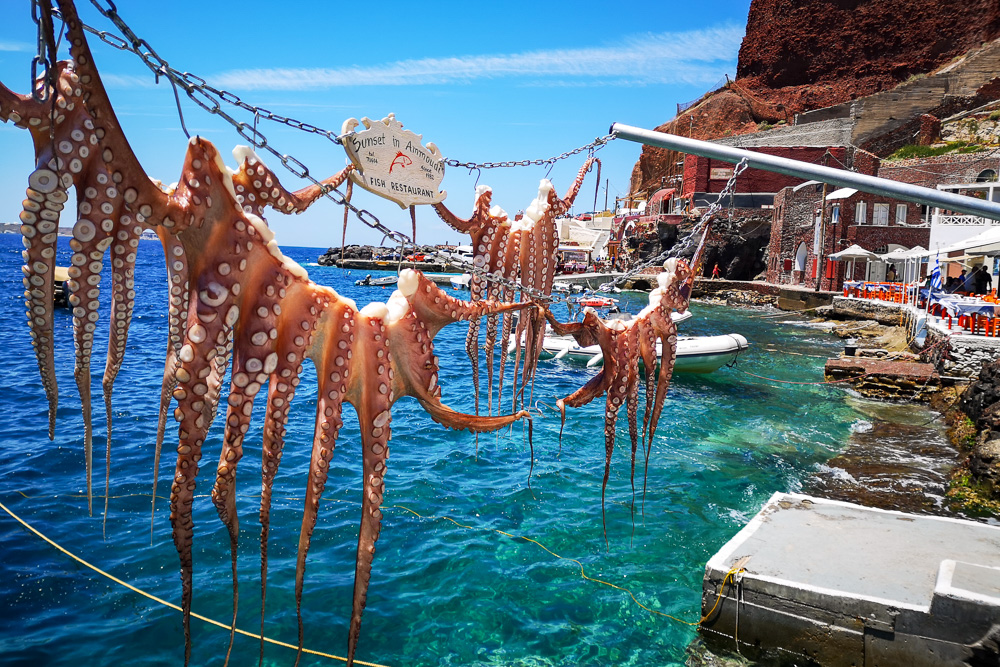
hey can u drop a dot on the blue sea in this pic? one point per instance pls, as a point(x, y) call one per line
point(443, 592)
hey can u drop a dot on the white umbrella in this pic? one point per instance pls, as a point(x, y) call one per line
point(853, 253)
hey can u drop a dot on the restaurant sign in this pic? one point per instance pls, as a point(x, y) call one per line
point(394, 163)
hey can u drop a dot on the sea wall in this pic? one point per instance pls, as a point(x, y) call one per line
point(864, 309)
point(952, 353)
point(959, 355)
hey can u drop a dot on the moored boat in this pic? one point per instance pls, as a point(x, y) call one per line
point(368, 281)
point(462, 281)
point(695, 354)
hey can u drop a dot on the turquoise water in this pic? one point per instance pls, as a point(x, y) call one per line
point(440, 593)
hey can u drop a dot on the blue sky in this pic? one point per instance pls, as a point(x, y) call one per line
point(516, 81)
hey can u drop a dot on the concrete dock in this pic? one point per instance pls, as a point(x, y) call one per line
point(834, 584)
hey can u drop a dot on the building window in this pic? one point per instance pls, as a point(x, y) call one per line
point(861, 213)
point(901, 214)
point(986, 176)
point(835, 214)
point(880, 215)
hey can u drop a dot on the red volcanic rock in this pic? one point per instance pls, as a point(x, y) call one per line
point(807, 54)
point(874, 43)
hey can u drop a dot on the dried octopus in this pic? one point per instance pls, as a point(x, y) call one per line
point(522, 252)
point(623, 344)
point(232, 293)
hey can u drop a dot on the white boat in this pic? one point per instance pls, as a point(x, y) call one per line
point(368, 281)
point(462, 281)
point(695, 354)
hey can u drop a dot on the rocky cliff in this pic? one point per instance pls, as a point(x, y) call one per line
point(807, 54)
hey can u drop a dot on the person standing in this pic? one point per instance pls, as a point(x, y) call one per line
point(715, 272)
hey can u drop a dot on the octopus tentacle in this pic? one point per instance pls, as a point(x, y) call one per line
point(193, 414)
point(248, 376)
point(292, 346)
point(257, 186)
point(372, 403)
point(123, 255)
point(616, 393)
point(97, 208)
point(632, 404)
point(179, 300)
point(38, 226)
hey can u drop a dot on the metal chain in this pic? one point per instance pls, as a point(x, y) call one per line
point(41, 58)
point(690, 240)
point(591, 148)
point(205, 96)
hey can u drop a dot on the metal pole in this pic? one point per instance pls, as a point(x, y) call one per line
point(822, 237)
point(839, 177)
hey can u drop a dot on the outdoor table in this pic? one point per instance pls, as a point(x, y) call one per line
point(959, 306)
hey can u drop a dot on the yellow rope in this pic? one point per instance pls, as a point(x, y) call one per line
point(170, 604)
point(583, 573)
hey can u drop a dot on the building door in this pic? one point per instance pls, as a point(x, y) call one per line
point(800, 264)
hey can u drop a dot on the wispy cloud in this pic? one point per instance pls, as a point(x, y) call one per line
point(129, 81)
point(693, 57)
point(16, 46)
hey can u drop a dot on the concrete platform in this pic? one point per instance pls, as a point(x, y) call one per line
point(878, 378)
point(835, 584)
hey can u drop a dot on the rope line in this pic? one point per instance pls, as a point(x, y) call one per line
point(583, 573)
point(165, 603)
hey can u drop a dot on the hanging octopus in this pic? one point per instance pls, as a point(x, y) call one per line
point(256, 187)
point(623, 344)
point(233, 294)
point(520, 251)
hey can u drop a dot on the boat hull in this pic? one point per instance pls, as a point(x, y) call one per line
point(695, 354)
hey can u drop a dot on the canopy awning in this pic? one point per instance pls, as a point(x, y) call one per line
point(853, 252)
point(842, 193)
point(984, 243)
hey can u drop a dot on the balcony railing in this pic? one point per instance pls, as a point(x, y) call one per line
point(960, 220)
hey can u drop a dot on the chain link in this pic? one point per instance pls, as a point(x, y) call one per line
point(690, 240)
point(40, 94)
point(591, 148)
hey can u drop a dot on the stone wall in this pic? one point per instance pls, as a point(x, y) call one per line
point(955, 355)
point(864, 309)
point(951, 168)
point(961, 355)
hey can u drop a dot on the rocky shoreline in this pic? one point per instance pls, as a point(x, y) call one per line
point(967, 472)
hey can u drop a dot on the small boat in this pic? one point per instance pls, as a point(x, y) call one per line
point(695, 354)
point(597, 301)
point(462, 281)
point(368, 281)
point(60, 293)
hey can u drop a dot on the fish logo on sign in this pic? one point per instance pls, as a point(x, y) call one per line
point(400, 161)
point(392, 162)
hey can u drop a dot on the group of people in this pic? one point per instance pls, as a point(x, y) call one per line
point(977, 281)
